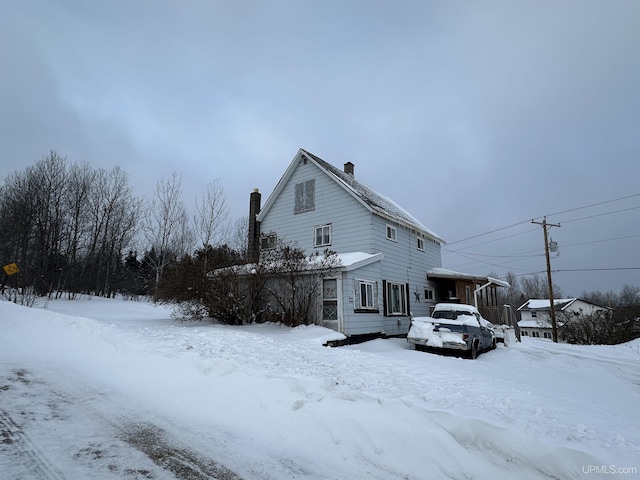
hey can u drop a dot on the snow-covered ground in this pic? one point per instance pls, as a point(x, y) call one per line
point(99, 389)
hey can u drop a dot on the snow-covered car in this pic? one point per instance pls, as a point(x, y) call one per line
point(455, 327)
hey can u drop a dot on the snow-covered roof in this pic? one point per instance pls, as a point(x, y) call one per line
point(438, 272)
point(559, 304)
point(379, 203)
point(370, 198)
point(346, 261)
point(353, 260)
point(544, 304)
point(534, 323)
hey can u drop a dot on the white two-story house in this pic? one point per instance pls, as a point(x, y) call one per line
point(385, 252)
point(535, 314)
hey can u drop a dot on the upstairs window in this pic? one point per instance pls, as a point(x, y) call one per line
point(305, 193)
point(392, 233)
point(421, 244)
point(322, 237)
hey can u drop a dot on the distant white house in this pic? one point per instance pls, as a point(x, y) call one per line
point(535, 314)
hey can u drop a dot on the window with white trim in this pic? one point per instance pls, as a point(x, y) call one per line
point(421, 244)
point(305, 196)
point(392, 233)
point(322, 236)
point(396, 298)
point(365, 296)
point(428, 294)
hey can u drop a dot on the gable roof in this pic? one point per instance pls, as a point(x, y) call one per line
point(372, 200)
point(558, 303)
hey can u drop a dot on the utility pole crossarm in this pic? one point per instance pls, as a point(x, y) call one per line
point(552, 309)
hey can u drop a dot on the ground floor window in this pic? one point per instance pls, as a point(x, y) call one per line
point(396, 298)
point(428, 294)
point(365, 296)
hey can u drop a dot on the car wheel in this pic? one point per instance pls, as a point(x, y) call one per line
point(474, 350)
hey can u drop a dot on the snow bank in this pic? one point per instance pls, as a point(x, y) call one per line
point(287, 407)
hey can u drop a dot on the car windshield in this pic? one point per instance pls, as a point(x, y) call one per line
point(451, 314)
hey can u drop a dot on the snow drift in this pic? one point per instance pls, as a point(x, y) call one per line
point(271, 402)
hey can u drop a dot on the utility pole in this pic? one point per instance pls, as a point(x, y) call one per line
point(552, 310)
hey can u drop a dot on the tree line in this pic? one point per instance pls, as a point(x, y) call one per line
point(74, 228)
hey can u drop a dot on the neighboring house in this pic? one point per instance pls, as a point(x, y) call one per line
point(535, 314)
point(385, 252)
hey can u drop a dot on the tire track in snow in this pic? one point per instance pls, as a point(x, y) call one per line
point(23, 446)
point(119, 427)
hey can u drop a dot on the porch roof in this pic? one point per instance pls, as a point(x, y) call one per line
point(443, 273)
point(354, 260)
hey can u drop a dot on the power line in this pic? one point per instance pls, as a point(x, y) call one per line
point(491, 241)
point(601, 214)
point(487, 233)
point(594, 205)
point(553, 214)
point(596, 269)
point(597, 241)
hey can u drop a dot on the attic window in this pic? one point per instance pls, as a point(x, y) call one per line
point(305, 196)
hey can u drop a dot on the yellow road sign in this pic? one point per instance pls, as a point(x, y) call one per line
point(11, 269)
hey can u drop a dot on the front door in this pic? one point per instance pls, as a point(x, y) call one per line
point(330, 304)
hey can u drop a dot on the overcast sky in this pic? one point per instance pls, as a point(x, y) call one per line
point(473, 116)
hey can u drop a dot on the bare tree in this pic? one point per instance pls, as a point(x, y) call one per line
point(166, 226)
point(537, 287)
point(239, 235)
point(211, 214)
point(630, 296)
point(295, 279)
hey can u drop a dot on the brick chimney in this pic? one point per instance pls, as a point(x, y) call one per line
point(348, 168)
point(253, 244)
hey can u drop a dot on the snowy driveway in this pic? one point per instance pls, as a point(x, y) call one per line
point(70, 430)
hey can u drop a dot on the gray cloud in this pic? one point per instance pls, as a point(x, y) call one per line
point(471, 115)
